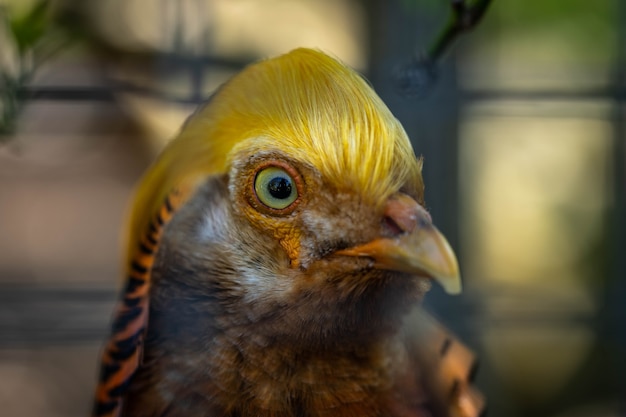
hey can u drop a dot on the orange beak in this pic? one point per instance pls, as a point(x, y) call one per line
point(418, 247)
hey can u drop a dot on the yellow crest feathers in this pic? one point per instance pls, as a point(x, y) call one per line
point(305, 104)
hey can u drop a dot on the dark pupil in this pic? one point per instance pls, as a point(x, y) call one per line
point(279, 187)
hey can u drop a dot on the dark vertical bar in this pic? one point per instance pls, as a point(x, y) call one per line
point(397, 29)
point(197, 80)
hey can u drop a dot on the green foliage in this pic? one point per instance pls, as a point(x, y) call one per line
point(32, 37)
point(576, 37)
point(30, 28)
point(588, 25)
point(540, 12)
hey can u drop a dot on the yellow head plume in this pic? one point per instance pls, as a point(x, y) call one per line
point(305, 104)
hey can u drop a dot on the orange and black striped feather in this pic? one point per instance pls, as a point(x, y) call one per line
point(123, 353)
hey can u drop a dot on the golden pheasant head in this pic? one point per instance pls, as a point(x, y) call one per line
point(311, 189)
point(275, 249)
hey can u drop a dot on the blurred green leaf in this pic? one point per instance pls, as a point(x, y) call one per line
point(31, 27)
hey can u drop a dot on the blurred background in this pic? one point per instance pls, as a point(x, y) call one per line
point(523, 134)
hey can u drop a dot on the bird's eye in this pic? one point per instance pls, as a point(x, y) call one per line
point(275, 188)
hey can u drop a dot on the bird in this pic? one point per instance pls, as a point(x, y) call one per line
point(277, 254)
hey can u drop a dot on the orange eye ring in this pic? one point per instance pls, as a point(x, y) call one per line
point(275, 188)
